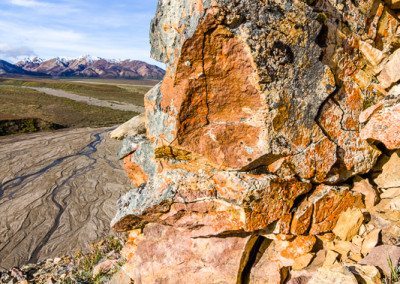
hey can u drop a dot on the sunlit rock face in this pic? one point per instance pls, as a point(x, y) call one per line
point(235, 95)
point(267, 112)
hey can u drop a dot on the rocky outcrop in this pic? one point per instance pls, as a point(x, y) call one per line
point(269, 134)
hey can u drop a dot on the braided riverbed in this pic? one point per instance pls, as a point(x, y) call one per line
point(57, 192)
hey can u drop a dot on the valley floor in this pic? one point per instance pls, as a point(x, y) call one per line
point(57, 192)
point(90, 101)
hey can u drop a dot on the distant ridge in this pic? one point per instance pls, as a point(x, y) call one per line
point(84, 67)
point(9, 69)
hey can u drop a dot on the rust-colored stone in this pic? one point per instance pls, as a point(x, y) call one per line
point(214, 102)
point(357, 156)
point(321, 210)
point(302, 219)
point(261, 102)
point(210, 202)
point(214, 63)
point(299, 246)
point(270, 204)
point(328, 207)
point(134, 172)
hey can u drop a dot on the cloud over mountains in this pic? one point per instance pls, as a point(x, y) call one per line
point(15, 53)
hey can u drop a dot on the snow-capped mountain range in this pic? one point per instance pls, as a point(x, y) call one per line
point(92, 67)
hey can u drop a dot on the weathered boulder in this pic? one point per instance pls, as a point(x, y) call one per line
point(161, 258)
point(210, 201)
point(339, 119)
point(132, 127)
point(256, 123)
point(320, 212)
point(267, 123)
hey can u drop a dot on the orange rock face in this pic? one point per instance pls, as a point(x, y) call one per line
point(213, 102)
point(319, 213)
point(209, 201)
point(214, 90)
point(134, 172)
point(269, 204)
point(342, 129)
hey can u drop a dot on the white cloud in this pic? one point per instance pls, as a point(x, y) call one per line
point(45, 7)
point(36, 34)
point(30, 3)
point(13, 54)
point(65, 43)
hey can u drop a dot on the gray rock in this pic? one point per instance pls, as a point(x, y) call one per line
point(380, 255)
point(160, 124)
point(171, 16)
point(130, 144)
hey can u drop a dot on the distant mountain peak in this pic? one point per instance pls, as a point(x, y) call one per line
point(93, 67)
point(7, 68)
point(33, 59)
point(88, 58)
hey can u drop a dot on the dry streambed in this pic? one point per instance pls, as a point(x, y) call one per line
point(57, 192)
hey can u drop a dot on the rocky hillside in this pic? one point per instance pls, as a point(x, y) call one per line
point(271, 152)
point(90, 67)
point(7, 68)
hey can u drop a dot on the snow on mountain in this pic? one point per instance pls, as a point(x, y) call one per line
point(93, 67)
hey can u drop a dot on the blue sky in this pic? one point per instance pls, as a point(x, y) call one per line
point(71, 28)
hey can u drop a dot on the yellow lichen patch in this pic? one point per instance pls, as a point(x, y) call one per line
point(168, 152)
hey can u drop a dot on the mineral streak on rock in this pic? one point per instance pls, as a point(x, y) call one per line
point(268, 114)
